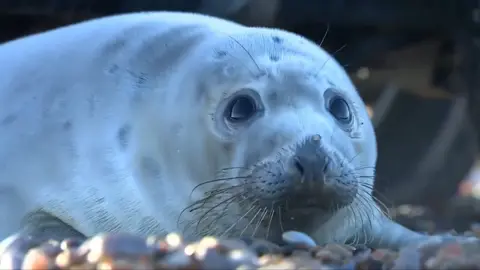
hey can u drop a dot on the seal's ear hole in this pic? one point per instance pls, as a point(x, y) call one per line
point(240, 109)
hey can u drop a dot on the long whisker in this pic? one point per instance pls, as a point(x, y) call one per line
point(280, 219)
point(335, 52)
point(251, 220)
point(234, 168)
point(378, 194)
point(270, 221)
point(212, 208)
point(191, 208)
point(354, 157)
point(363, 168)
point(222, 190)
point(240, 218)
point(264, 213)
point(325, 35)
point(217, 180)
point(246, 51)
point(224, 212)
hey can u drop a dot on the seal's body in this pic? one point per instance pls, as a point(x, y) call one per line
point(120, 123)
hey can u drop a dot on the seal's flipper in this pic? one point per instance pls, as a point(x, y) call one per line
point(389, 234)
point(42, 226)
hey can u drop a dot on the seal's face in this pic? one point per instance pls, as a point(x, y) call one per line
point(302, 149)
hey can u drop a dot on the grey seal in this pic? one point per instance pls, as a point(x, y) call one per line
point(163, 121)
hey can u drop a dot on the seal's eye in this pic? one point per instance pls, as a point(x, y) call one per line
point(339, 108)
point(241, 109)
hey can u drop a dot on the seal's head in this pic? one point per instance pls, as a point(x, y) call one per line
point(298, 147)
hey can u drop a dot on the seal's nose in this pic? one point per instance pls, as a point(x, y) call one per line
point(311, 162)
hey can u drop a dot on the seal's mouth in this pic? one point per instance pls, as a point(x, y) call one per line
point(293, 192)
point(313, 183)
point(305, 210)
point(296, 192)
point(308, 204)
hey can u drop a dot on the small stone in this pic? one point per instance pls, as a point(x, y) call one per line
point(334, 254)
point(107, 247)
point(13, 250)
point(69, 258)
point(37, 259)
point(298, 238)
point(173, 240)
point(71, 243)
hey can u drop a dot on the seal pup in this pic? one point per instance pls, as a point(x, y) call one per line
point(151, 122)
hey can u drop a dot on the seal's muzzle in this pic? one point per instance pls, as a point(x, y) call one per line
point(314, 177)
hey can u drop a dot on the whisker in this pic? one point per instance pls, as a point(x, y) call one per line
point(217, 180)
point(382, 207)
point(371, 187)
point(325, 35)
point(240, 218)
point(335, 52)
point(354, 157)
point(361, 212)
point(270, 221)
point(365, 215)
point(233, 168)
point(364, 167)
point(222, 190)
point(365, 176)
point(224, 212)
point(211, 209)
point(355, 221)
point(190, 209)
point(339, 49)
point(209, 230)
point(280, 219)
point(260, 221)
point(250, 222)
point(245, 49)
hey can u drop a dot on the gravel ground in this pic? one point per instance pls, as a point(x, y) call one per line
point(124, 251)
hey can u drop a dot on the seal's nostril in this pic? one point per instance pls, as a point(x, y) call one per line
point(299, 166)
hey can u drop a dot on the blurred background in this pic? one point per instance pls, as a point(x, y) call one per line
point(416, 64)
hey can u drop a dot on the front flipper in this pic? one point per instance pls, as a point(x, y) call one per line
point(42, 227)
point(37, 228)
point(391, 235)
point(387, 234)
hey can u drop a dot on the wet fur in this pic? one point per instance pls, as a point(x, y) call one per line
point(110, 126)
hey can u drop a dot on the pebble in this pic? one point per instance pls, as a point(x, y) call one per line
point(298, 238)
point(121, 251)
point(127, 251)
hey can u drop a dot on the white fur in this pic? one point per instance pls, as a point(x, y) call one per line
point(65, 93)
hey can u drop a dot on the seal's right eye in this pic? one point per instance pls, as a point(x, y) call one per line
point(339, 108)
point(240, 109)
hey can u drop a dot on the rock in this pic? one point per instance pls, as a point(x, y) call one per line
point(127, 251)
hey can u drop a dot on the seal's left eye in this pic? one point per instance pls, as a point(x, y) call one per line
point(340, 110)
point(241, 109)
